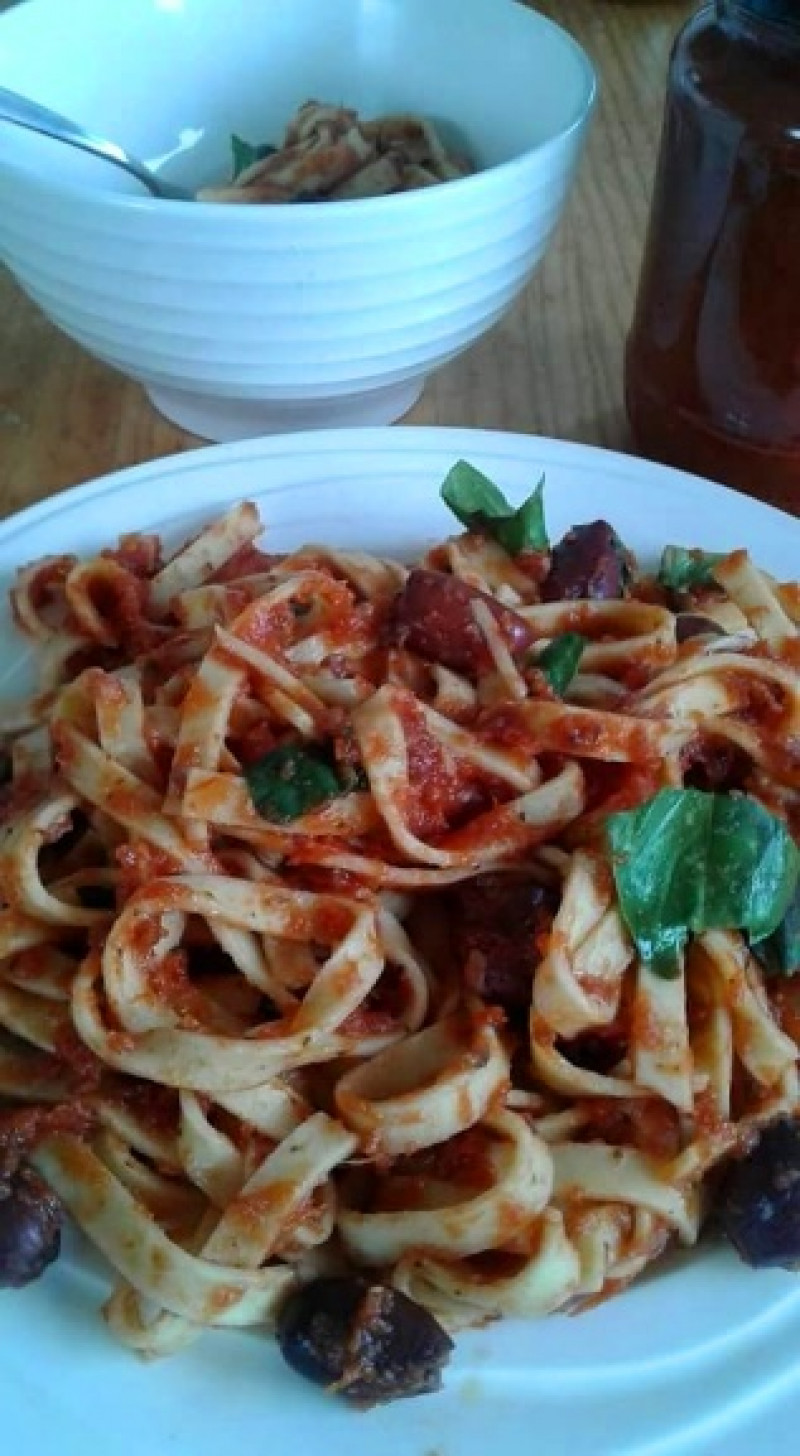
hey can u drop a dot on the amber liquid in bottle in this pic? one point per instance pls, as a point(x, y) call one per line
point(712, 371)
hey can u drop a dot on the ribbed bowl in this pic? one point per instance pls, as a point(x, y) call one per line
point(240, 320)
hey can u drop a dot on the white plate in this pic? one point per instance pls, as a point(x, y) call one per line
point(699, 1358)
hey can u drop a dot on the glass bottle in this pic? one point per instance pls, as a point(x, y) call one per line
point(712, 369)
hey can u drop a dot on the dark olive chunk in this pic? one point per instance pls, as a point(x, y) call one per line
point(589, 563)
point(760, 1199)
point(30, 1228)
point(496, 922)
point(367, 1341)
point(434, 617)
point(693, 624)
point(313, 1327)
point(712, 764)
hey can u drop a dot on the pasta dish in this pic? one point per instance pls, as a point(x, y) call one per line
point(329, 154)
point(420, 937)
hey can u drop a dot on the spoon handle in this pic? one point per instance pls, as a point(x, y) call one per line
point(29, 114)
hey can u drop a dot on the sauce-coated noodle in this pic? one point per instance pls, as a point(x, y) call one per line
point(320, 935)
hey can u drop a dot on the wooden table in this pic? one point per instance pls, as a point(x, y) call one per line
point(552, 367)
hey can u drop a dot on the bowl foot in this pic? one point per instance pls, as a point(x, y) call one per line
point(240, 419)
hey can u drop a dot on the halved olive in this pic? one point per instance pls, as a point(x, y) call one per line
point(30, 1228)
point(694, 624)
point(368, 1342)
point(760, 1198)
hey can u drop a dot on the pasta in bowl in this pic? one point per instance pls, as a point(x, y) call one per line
point(430, 926)
point(329, 153)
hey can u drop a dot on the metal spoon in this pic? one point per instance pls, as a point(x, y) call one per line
point(22, 112)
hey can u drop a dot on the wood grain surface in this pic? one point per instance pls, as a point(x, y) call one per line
point(553, 366)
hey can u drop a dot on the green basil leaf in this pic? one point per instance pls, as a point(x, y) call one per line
point(779, 953)
point(289, 781)
point(480, 506)
point(525, 529)
point(754, 868)
point(656, 858)
point(687, 861)
point(245, 154)
point(470, 494)
point(559, 661)
point(681, 569)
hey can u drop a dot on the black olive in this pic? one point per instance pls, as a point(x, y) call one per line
point(313, 1326)
point(593, 1051)
point(30, 1228)
point(590, 561)
point(694, 624)
point(367, 1341)
point(760, 1199)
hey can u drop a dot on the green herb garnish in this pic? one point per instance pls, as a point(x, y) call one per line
point(681, 569)
point(779, 954)
point(290, 780)
point(686, 862)
point(245, 154)
point(560, 659)
point(480, 506)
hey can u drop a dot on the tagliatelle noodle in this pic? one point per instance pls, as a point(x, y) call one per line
point(279, 1031)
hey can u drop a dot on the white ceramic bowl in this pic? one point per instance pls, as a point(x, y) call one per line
point(243, 320)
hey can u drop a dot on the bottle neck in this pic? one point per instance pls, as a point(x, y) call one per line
point(777, 22)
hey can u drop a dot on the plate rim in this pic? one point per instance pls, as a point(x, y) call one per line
point(406, 439)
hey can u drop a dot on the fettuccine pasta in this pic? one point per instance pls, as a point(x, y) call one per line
point(331, 154)
point(313, 952)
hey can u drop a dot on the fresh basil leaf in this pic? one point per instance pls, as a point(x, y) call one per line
point(245, 154)
point(289, 781)
point(559, 661)
point(657, 862)
point(525, 529)
point(686, 862)
point(779, 953)
point(472, 495)
point(480, 506)
point(681, 569)
point(754, 867)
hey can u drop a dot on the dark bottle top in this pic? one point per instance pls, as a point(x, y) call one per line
point(712, 370)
